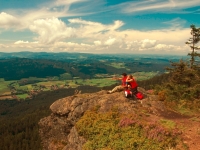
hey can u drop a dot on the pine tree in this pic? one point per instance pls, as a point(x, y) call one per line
point(192, 42)
point(181, 74)
point(184, 82)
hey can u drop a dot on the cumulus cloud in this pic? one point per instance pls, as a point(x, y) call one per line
point(146, 43)
point(77, 34)
point(82, 35)
point(71, 46)
point(51, 30)
point(97, 42)
point(171, 48)
point(110, 41)
point(8, 21)
point(21, 42)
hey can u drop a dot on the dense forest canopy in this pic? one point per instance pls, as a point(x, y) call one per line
point(15, 66)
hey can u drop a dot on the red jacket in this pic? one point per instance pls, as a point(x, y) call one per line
point(133, 84)
point(124, 81)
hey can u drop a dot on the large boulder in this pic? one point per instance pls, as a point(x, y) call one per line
point(57, 131)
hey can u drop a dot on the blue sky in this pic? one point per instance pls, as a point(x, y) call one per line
point(98, 26)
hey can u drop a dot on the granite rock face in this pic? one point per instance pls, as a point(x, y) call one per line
point(57, 131)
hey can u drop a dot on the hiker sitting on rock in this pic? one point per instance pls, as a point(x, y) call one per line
point(131, 84)
point(122, 86)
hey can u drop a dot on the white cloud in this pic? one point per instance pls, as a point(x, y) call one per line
point(146, 43)
point(51, 30)
point(71, 46)
point(117, 24)
point(54, 34)
point(68, 2)
point(8, 21)
point(97, 42)
point(171, 48)
point(94, 29)
point(167, 6)
point(3, 46)
point(82, 35)
point(176, 23)
point(110, 41)
point(167, 36)
point(15, 19)
point(21, 42)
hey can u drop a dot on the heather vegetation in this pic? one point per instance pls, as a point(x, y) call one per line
point(115, 131)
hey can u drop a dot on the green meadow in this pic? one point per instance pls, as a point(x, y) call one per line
point(144, 75)
point(118, 65)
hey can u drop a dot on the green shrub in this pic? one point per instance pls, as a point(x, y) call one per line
point(115, 131)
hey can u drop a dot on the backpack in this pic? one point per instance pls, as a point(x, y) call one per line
point(127, 93)
point(139, 95)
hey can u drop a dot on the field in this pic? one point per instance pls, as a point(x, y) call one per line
point(96, 82)
point(3, 86)
point(47, 84)
point(118, 65)
point(144, 75)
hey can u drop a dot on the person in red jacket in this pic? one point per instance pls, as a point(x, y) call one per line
point(120, 87)
point(131, 84)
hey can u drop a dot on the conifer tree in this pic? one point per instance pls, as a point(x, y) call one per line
point(192, 42)
point(181, 73)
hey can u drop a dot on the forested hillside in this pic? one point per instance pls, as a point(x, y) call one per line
point(84, 66)
point(19, 120)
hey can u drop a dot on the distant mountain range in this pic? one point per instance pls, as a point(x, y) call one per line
point(64, 55)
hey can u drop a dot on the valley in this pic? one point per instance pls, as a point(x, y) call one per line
point(26, 88)
point(31, 82)
point(25, 74)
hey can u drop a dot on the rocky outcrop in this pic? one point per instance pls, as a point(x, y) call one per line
point(57, 131)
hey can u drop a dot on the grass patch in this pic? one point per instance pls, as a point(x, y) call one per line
point(184, 111)
point(22, 96)
point(168, 123)
point(3, 86)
